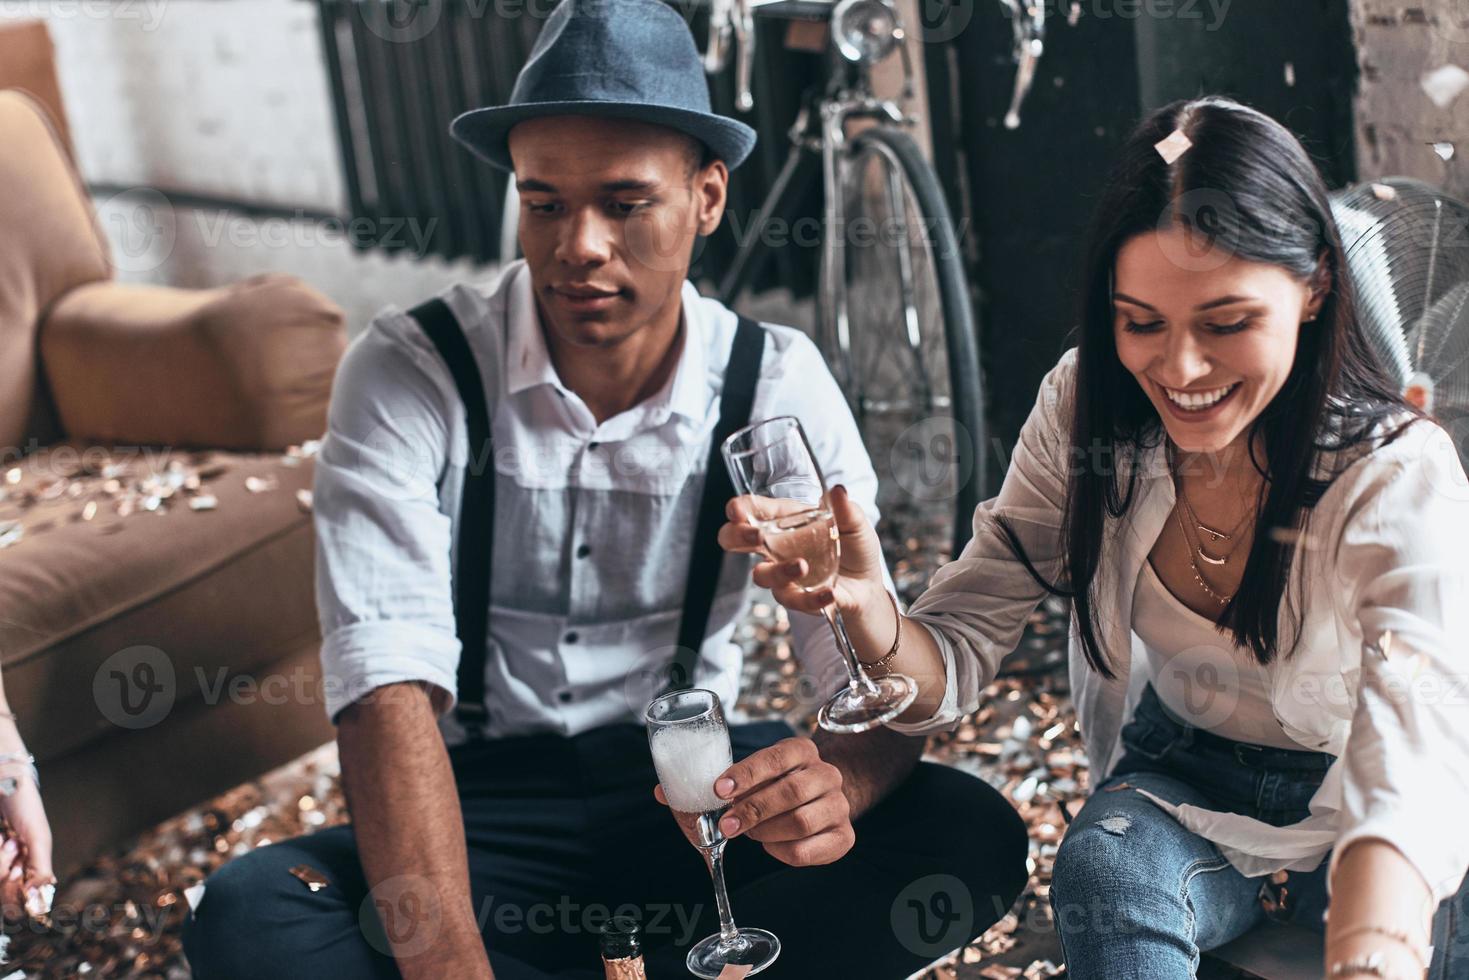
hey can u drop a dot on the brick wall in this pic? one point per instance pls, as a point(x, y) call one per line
point(1400, 47)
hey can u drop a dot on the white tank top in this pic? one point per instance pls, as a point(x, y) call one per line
point(1200, 674)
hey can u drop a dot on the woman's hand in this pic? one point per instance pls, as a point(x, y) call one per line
point(859, 582)
point(27, 884)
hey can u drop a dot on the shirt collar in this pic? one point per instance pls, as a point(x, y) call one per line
point(529, 364)
point(689, 391)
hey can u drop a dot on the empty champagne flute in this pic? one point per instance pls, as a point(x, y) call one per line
point(771, 463)
point(690, 743)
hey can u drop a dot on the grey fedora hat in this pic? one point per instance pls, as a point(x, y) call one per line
point(628, 59)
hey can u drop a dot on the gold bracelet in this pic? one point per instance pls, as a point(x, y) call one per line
point(1398, 936)
point(887, 658)
point(1371, 965)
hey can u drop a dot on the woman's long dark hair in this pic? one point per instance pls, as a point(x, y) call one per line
point(1248, 185)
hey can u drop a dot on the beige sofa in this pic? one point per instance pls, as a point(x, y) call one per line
point(157, 658)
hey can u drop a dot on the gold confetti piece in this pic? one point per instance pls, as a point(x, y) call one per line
point(39, 899)
point(1384, 192)
point(1444, 85)
point(12, 475)
point(10, 533)
point(1419, 391)
point(303, 500)
point(997, 972)
point(260, 484)
point(204, 501)
point(90, 510)
point(306, 450)
point(314, 879)
point(1175, 145)
point(735, 971)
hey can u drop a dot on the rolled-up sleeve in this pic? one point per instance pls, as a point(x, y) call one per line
point(977, 606)
point(1403, 563)
point(383, 546)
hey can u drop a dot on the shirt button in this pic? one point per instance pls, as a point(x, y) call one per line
point(564, 697)
point(570, 637)
point(583, 551)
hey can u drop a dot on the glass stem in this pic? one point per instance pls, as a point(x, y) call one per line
point(727, 931)
point(858, 681)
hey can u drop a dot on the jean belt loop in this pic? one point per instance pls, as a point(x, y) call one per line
point(1248, 755)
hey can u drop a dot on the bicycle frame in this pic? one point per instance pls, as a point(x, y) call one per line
point(821, 128)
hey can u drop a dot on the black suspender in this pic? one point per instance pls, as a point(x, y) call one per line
point(706, 561)
point(476, 512)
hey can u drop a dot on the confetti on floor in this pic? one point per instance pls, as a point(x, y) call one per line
point(122, 916)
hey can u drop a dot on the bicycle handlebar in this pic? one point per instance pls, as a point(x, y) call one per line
point(744, 32)
point(716, 52)
point(1028, 20)
point(731, 24)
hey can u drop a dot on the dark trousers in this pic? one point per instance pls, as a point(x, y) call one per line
point(563, 832)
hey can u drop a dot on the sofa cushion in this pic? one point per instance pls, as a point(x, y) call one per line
point(109, 623)
point(28, 63)
point(246, 366)
point(49, 244)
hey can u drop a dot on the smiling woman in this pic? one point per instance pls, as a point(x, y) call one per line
point(1219, 321)
point(1244, 513)
point(1220, 267)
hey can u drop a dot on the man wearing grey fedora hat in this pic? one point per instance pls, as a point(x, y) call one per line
point(516, 505)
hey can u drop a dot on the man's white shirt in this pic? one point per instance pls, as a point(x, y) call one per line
point(593, 524)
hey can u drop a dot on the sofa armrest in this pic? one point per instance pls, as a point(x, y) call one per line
point(247, 366)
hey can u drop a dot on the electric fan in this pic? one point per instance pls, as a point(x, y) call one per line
point(1407, 246)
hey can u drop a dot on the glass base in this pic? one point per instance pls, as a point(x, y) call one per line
point(754, 947)
point(856, 711)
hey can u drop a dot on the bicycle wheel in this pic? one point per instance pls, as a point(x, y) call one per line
point(905, 352)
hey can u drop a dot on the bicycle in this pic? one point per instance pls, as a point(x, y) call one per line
point(893, 312)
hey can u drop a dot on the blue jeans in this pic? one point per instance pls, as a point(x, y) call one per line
point(1134, 894)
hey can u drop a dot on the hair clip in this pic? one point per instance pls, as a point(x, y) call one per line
point(1175, 145)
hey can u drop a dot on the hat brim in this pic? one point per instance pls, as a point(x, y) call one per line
point(485, 132)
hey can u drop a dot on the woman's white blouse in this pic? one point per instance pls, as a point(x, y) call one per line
point(1203, 678)
point(1387, 548)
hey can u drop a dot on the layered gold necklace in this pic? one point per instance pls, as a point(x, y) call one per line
point(1195, 541)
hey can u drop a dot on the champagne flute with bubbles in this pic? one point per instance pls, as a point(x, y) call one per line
point(771, 464)
point(690, 743)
